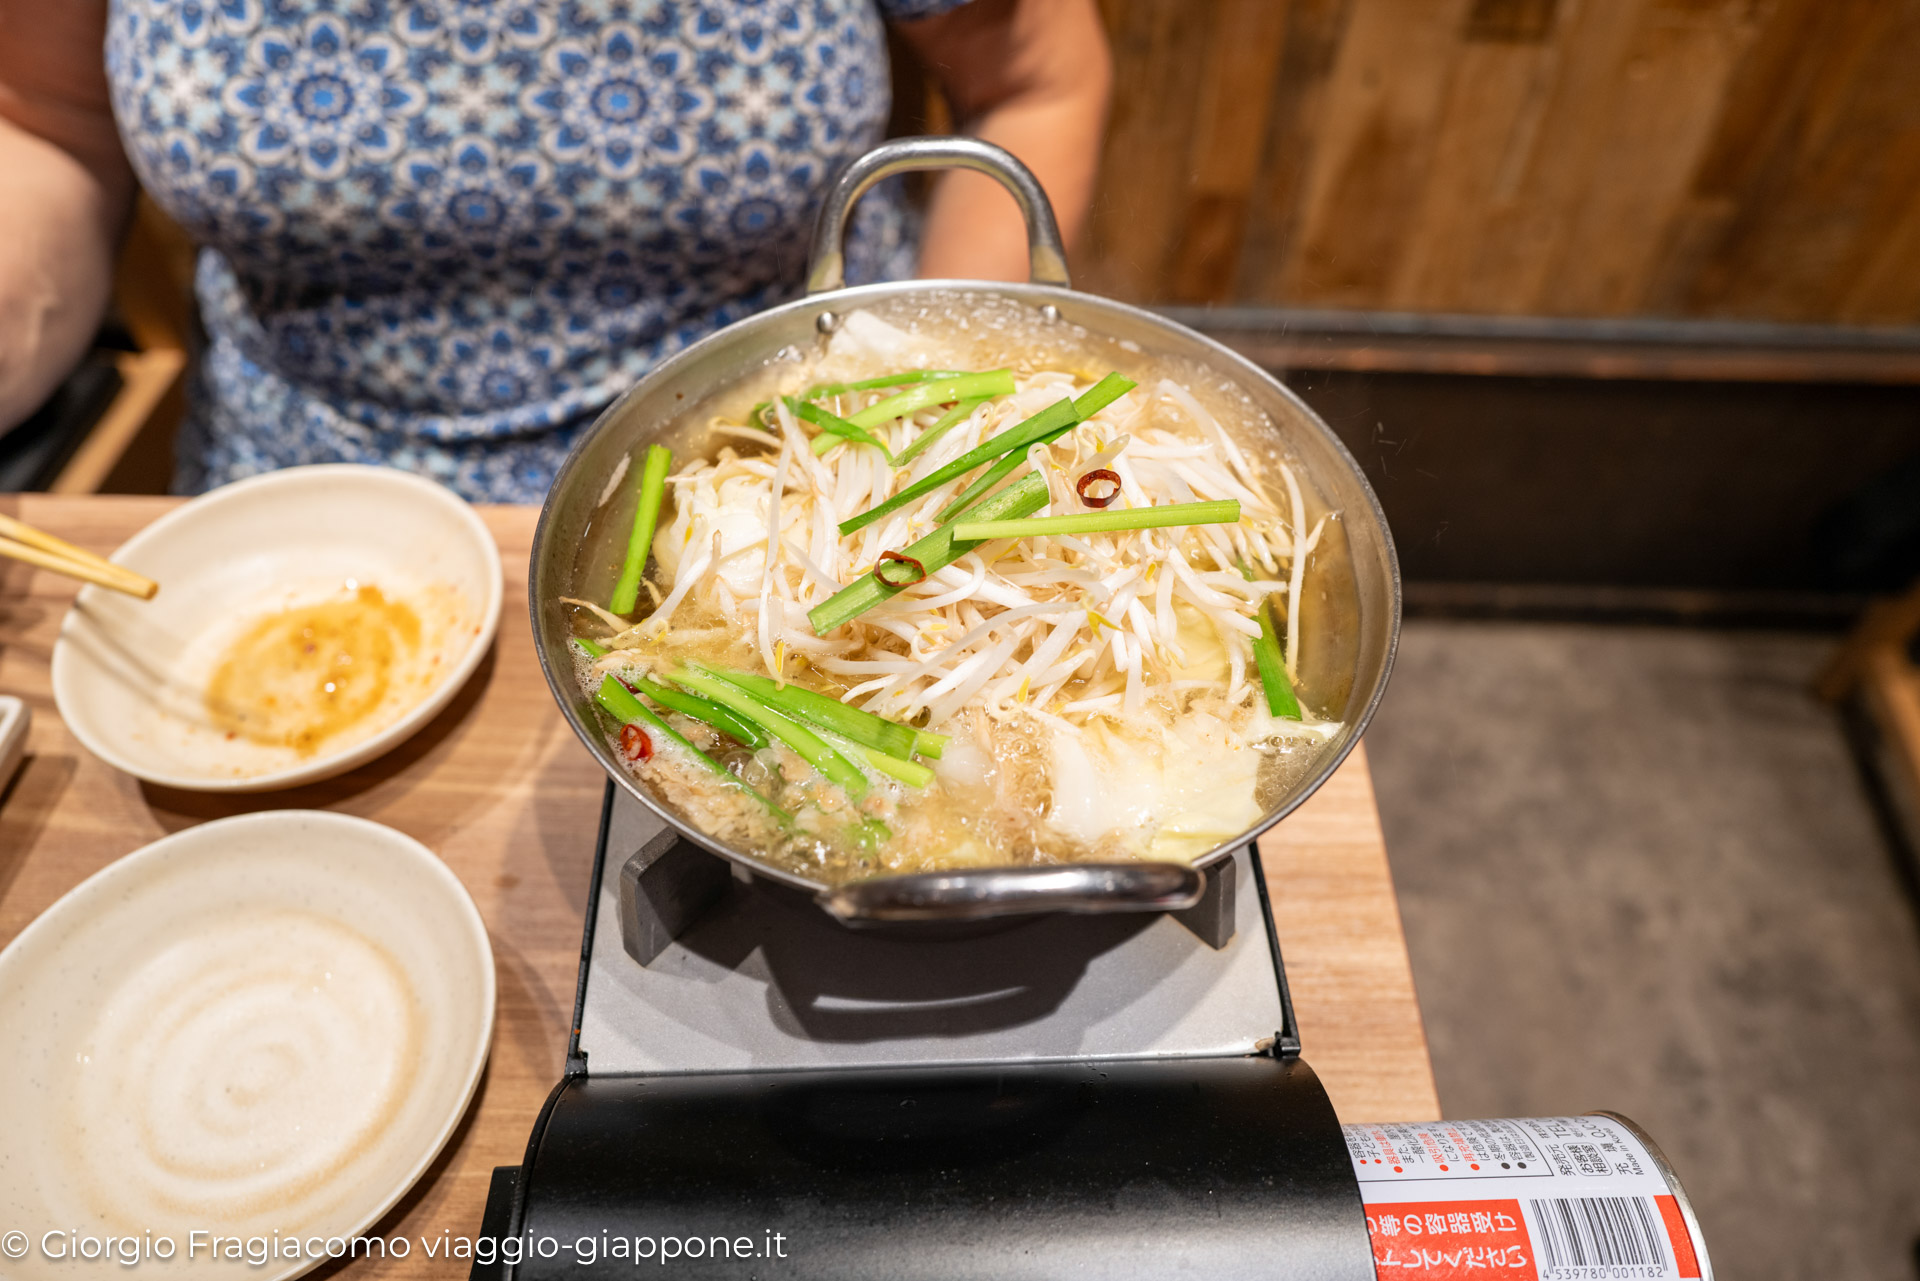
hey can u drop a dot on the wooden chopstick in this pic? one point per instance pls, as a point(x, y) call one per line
point(23, 542)
point(21, 532)
point(132, 585)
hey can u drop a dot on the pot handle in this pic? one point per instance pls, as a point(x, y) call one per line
point(1046, 255)
point(1016, 891)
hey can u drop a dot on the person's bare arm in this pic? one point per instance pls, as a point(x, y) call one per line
point(1033, 76)
point(65, 189)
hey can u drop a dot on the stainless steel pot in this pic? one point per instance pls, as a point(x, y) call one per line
point(1360, 593)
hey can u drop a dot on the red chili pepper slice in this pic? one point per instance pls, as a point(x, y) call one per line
point(635, 744)
point(1094, 477)
point(919, 570)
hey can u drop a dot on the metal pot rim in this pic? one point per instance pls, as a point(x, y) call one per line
point(828, 305)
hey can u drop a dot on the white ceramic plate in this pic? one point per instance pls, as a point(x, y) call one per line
point(131, 677)
point(266, 1024)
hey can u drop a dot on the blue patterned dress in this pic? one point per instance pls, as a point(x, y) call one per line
point(443, 235)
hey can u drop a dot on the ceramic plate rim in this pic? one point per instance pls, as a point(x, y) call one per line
point(372, 831)
point(327, 765)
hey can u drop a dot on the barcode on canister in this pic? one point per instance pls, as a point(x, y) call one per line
point(1576, 1233)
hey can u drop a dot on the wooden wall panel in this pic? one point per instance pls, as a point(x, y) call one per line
point(1827, 198)
point(1244, 57)
point(1731, 158)
point(1145, 185)
point(1312, 31)
point(1374, 149)
point(1488, 126)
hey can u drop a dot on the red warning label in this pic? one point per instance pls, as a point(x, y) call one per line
point(1441, 1240)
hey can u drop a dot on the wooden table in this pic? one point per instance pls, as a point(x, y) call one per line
point(499, 787)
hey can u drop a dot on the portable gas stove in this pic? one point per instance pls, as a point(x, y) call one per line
point(754, 1090)
point(1110, 1096)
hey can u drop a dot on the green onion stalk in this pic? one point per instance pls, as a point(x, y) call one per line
point(1052, 418)
point(1166, 515)
point(758, 413)
point(934, 552)
point(946, 423)
point(706, 710)
point(835, 430)
point(818, 710)
point(1091, 402)
point(816, 751)
point(1048, 423)
point(701, 709)
point(940, 391)
point(1272, 665)
point(653, 488)
point(620, 703)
